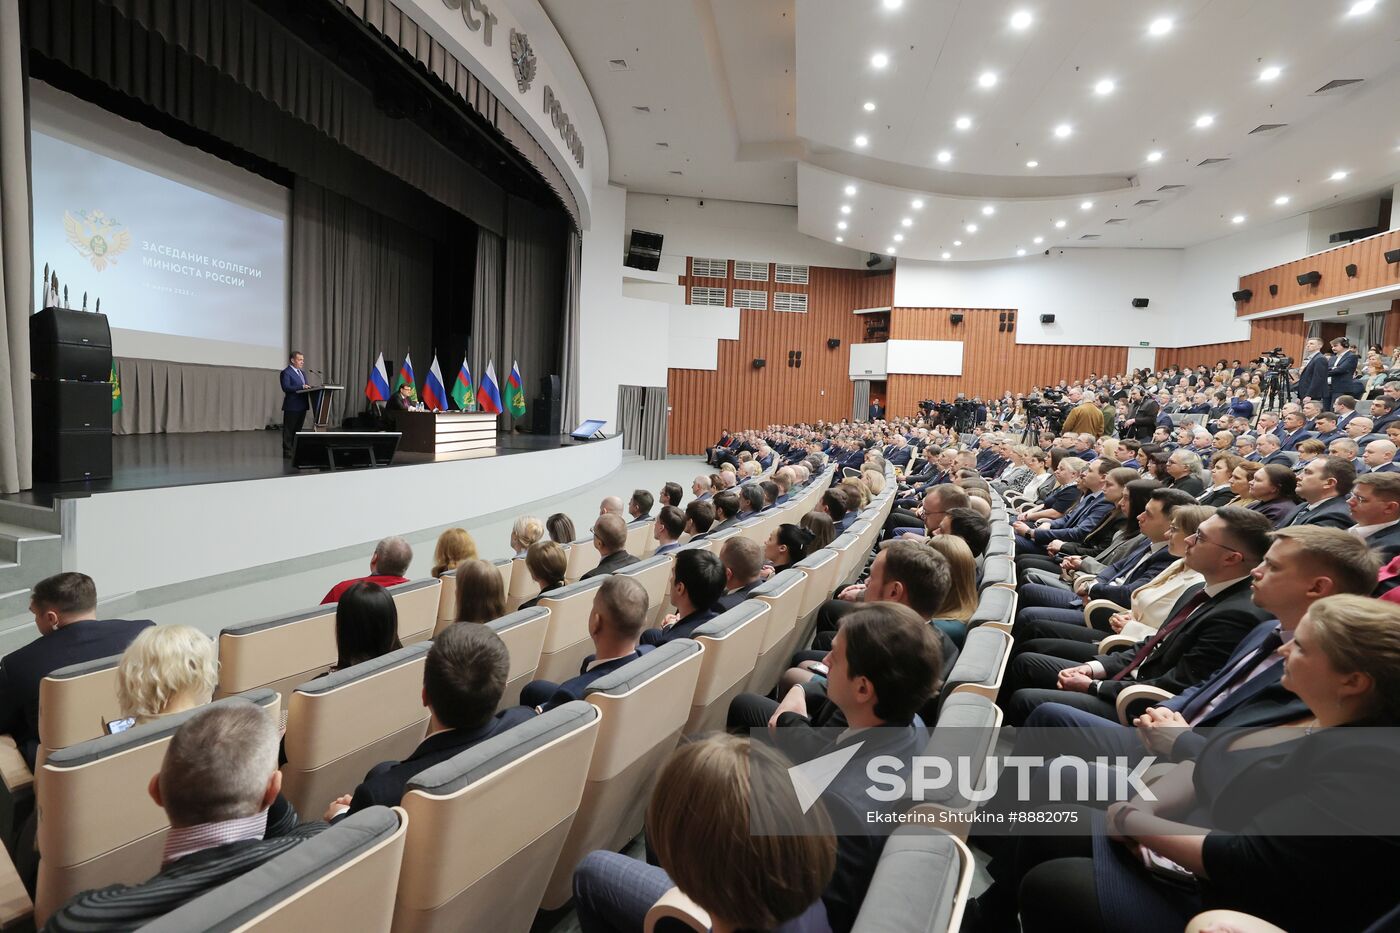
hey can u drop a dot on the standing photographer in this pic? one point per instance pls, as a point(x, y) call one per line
point(1143, 409)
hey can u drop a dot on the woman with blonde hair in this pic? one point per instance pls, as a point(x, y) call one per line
point(481, 596)
point(166, 669)
point(874, 482)
point(960, 602)
point(453, 546)
point(526, 531)
point(861, 489)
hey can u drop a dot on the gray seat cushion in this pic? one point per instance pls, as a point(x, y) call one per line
point(979, 659)
point(994, 605)
point(365, 669)
point(780, 583)
point(638, 672)
point(915, 884)
point(726, 622)
point(996, 570)
point(582, 586)
point(511, 619)
point(966, 731)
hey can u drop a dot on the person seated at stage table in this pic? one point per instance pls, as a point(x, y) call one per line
point(403, 399)
point(822, 529)
point(610, 539)
point(167, 669)
point(366, 625)
point(546, 561)
point(561, 529)
point(221, 791)
point(526, 531)
point(615, 623)
point(700, 516)
point(639, 506)
point(464, 677)
point(697, 582)
point(387, 566)
point(453, 546)
point(667, 529)
point(481, 594)
point(65, 612)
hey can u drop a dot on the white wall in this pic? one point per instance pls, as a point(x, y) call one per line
point(1210, 272)
point(1353, 215)
point(694, 335)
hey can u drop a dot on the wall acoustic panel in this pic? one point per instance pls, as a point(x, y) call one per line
point(868, 361)
point(925, 357)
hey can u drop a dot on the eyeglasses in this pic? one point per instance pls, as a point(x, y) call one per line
point(1200, 539)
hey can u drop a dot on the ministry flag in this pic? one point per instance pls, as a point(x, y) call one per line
point(489, 395)
point(406, 375)
point(463, 391)
point(116, 391)
point(434, 394)
point(515, 391)
point(377, 387)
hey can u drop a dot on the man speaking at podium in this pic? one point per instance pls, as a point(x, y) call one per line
point(295, 403)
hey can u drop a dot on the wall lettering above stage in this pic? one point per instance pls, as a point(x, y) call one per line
point(563, 124)
point(476, 15)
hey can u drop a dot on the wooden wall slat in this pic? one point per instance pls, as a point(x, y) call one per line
point(1372, 271)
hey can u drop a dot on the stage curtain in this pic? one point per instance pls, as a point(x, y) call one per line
point(860, 404)
point(569, 355)
point(652, 443)
point(630, 400)
point(533, 296)
point(16, 266)
point(361, 285)
point(178, 398)
point(488, 291)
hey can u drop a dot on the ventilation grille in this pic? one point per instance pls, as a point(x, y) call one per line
point(1116, 220)
point(663, 145)
point(1090, 236)
point(1171, 187)
point(675, 171)
point(790, 274)
point(750, 300)
point(709, 268)
point(790, 301)
point(750, 271)
point(714, 297)
point(641, 108)
point(1204, 163)
point(618, 64)
point(1331, 86)
point(1267, 128)
point(1145, 201)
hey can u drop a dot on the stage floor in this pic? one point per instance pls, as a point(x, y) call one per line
point(156, 461)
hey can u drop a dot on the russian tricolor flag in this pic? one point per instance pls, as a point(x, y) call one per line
point(406, 375)
point(377, 388)
point(434, 393)
point(488, 396)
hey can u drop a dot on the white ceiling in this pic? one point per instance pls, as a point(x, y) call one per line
point(761, 101)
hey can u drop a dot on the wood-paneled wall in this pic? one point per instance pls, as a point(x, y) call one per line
point(992, 359)
point(1287, 331)
point(703, 402)
point(1372, 271)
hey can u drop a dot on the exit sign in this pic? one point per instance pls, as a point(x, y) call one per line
point(1144, 343)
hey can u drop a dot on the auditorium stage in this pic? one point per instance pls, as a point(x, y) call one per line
point(181, 508)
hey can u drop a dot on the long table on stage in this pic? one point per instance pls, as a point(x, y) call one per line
point(444, 432)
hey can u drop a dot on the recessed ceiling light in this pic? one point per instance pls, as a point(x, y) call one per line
point(963, 123)
point(1204, 120)
point(917, 204)
point(879, 60)
point(1063, 130)
point(1154, 156)
point(840, 239)
point(1160, 27)
point(840, 225)
point(944, 156)
point(947, 255)
point(1104, 87)
point(889, 250)
point(1361, 7)
point(1021, 19)
point(1338, 175)
point(1086, 205)
point(907, 222)
point(988, 210)
point(957, 242)
point(1281, 200)
point(1270, 73)
point(869, 106)
point(971, 228)
point(1020, 252)
point(1032, 164)
point(1059, 225)
point(893, 4)
point(987, 79)
point(845, 208)
point(1038, 240)
point(899, 238)
point(1237, 219)
point(850, 190)
point(862, 141)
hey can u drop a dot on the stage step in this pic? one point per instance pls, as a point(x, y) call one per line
point(27, 555)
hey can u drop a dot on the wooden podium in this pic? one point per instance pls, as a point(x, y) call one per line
point(444, 432)
point(320, 404)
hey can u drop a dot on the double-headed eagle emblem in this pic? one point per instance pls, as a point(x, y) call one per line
point(98, 238)
point(523, 57)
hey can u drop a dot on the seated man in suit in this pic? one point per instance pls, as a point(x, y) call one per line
point(1375, 505)
point(743, 568)
point(639, 506)
point(700, 516)
point(464, 676)
point(65, 613)
point(611, 505)
point(1347, 449)
point(700, 488)
point(403, 399)
point(834, 504)
point(725, 511)
point(1357, 428)
point(610, 539)
point(751, 500)
point(616, 622)
point(1079, 520)
point(1326, 427)
point(1295, 430)
point(219, 786)
point(1379, 457)
point(770, 495)
point(669, 526)
point(1324, 485)
point(697, 582)
point(785, 478)
point(387, 566)
point(1270, 452)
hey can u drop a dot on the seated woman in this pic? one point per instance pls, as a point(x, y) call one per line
point(1308, 450)
point(366, 625)
point(1240, 481)
point(730, 834)
point(546, 561)
point(166, 669)
point(787, 545)
point(561, 528)
point(822, 529)
point(1219, 493)
point(1122, 520)
point(526, 531)
point(481, 596)
point(1273, 492)
point(453, 546)
point(960, 602)
point(1294, 824)
point(1066, 493)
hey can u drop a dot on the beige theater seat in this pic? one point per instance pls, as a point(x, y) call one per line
point(853, 556)
point(783, 594)
point(521, 587)
point(640, 540)
point(97, 825)
point(731, 641)
point(417, 603)
point(654, 574)
point(486, 827)
point(505, 566)
point(820, 569)
point(566, 643)
point(583, 557)
point(752, 528)
point(920, 885)
point(279, 652)
point(447, 602)
point(341, 879)
point(523, 632)
point(341, 725)
point(643, 710)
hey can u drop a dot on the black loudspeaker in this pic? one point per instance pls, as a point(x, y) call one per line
point(73, 456)
point(1047, 319)
point(955, 319)
point(1310, 278)
point(1273, 290)
point(72, 406)
point(644, 250)
point(547, 417)
point(759, 362)
point(1392, 255)
point(1139, 302)
point(1351, 266)
point(550, 387)
point(833, 342)
point(1243, 294)
point(65, 344)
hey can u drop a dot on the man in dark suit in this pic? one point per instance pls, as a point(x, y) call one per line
point(1325, 424)
point(1312, 376)
point(697, 582)
point(464, 676)
point(639, 506)
point(1144, 414)
point(899, 452)
point(724, 512)
point(743, 566)
point(668, 528)
point(1375, 504)
point(1341, 375)
point(610, 538)
point(220, 788)
point(1379, 457)
point(65, 613)
point(619, 615)
point(1269, 451)
point(1294, 430)
point(1082, 518)
point(402, 400)
point(1201, 631)
point(1324, 485)
point(1383, 414)
point(1345, 407)
point(295, 403)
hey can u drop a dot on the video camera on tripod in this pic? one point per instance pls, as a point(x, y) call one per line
point(1276, 377)
point(1274, 360)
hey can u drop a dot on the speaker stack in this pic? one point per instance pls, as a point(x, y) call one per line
point(71, 358)
point(548, 408)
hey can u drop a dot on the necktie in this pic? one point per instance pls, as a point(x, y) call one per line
point(1176, 621)
point(1201, 700)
